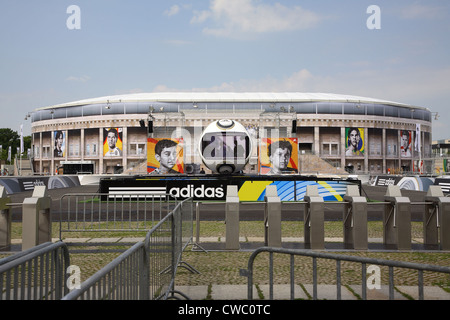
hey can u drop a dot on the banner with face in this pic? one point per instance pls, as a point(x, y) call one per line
point(354, 142)
point(112, 143)
point(60, 144)
point(165, 156)
point(405, 143)
point(278, 156)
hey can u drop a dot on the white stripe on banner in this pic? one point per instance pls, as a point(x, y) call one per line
point(137, 188)
point(141, 192)
point(445, 186)
point(28, 185)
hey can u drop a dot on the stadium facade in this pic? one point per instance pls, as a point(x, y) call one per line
point(335, 133)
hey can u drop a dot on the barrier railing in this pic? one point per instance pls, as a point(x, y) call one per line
point(395, 210)
point(146, 270)
point(5, 220)
point(125, 278)
point(38, 273)
point(36, 219)
point(365, 262)
point(112, 212)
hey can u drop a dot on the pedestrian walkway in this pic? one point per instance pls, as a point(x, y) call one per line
point(218, 243)
point(305, 292)
point(330, 244)
point(208, 239)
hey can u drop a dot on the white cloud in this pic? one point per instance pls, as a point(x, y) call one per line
point(78, 79)
point(173, 10)
point(178, 42)
point(233, 18)
point(420, 11)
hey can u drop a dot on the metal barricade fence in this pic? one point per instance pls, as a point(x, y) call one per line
point(112, 212)
point(420, 268)
point(38, 273)
point(125, 278)
point(146, 270)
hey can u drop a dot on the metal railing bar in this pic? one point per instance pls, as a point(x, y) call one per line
point(314, 259)
point(391, 283)
point(292, 259)
point(24, 253)
point(420, 284)
point(115, 214)
point(363, 283)
point(271, 275)
point(33, 254)
point(91, 282)
point(39, 272)
point(338, 279)
point(363, 260)
point(135, 274)
point(129, 272)
point(326, 255)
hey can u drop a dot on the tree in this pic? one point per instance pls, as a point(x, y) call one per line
point(11, 138)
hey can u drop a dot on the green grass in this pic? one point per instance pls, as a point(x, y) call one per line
point(207, 229)
point(223, 268)
point(333, 229)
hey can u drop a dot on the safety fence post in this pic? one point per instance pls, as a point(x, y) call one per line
point(5, 220)
point(355, 219)
point(314, 218)
point(272, 217)
point(36, 218)
point(232, 218)
point(436, 219)
point(397, 219)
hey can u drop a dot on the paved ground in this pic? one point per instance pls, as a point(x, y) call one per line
point(305, 292)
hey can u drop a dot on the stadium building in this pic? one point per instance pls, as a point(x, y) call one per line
point(334, 133)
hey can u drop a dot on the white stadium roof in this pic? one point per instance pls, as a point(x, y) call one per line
point(267, 97)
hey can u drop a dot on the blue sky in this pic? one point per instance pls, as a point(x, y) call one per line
point(223, 45)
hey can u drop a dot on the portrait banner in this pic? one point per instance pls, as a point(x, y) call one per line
point(59, 150)
point(405, 143)
point(278, 156)
point(165, 156)
point(354, 142)
point(113, 142)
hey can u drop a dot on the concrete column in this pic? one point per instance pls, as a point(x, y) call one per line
point(317, 141)
point(366, 150)
point(232, 218)
point(397, 219)
point(399, 150)
point(272, 217)
point(5, 221)
point(36, 219)
point(383, 149)
point(436, 219)
point(342, 146)
point(82, 144)
point(355, 219)
point(314, 218)
point(52, 156)
point(66, 152)
point(124, 148)
point(100, 151)
point(40, 153)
